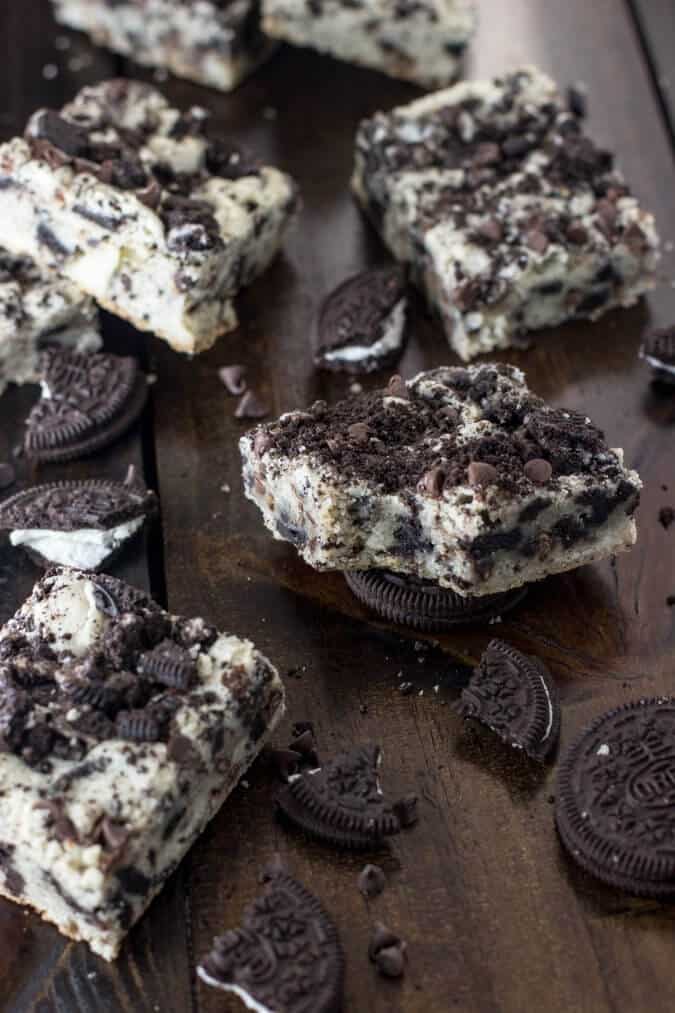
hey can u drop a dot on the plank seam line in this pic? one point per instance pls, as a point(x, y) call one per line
point(640, 31)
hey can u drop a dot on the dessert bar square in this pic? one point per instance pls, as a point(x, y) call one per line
point(37, 309)
point(461, 476)
point(509, 215)
point(143, 209)
point(212, 42)
point(123, 729)
point(417, 40)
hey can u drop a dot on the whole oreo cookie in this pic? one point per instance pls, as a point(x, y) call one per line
point(615, 804)
point(515, 696)
point(342, 802)
point(285, 956)
point(362, 323)
point(425, 606)
point(88, 401)
point(658, 350)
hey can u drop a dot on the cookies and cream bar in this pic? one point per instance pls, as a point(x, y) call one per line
point(144, 209)
point(123, 730)
point(417, 40)
point(212, 42)
point(511, 218)
point(460, 476)
point(36, 309)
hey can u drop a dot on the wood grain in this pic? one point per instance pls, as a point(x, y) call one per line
point(496, 917)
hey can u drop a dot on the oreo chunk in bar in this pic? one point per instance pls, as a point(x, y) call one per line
point(615, 798)
point(658, 351)
point(110, 764)
point(83, 524)
point(362, 323)
point(421, 41)
point(461, 476)
point(38, 308)
point(511, 218)
point(285, 956)
point(145, 208)
point(212, 42)
point(87, 403)
point(515, 696)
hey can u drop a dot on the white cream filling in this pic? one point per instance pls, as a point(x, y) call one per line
point(657, 364)
point(391, 340)
point(247, 999)
point(85, 549)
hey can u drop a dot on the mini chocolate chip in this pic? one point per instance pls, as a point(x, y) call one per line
point(397, 387)
point(538, 471)
point(487, 153)
point(304, 743)
point(234, 378)
point(537, 240)
point(251, 407)
point(371, 881)
point(150, 195)
point(576, 100)
point(666, 516)
point(406, 810)
point(262, 443)
point(517, 145)
point(382, 938)
point(491, 229)
point(7, 475)
point(480, 473)
point(390, 961)
point(576, 233)
point(606, 211)
point(432, 482)
point(358, 432)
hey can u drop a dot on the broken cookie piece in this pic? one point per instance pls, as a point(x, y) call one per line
point(111, 764)
point(144, 208)
point(462, 477)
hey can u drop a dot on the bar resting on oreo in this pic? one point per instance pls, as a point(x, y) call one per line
point(123, 729)
point(213, 42)
point(461, 476)
point(510, 217)
point(144, 208)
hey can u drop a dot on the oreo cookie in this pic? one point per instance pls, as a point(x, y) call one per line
point(285, 956)
point(88, 402)
point(362, 323)
point(169, 664)
point(423, 605)
point(515, 696)
point(342, 803)
point(615, 803)
point(658, 350)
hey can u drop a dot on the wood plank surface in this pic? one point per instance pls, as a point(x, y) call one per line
point(496, 918)
point(656, 23)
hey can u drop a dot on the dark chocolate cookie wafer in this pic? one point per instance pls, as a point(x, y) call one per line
point(362, 323)
point(69, 506)
point(285, 957)
point(423, 605)
point(658, 350)
point(88, 402)
point(342, 803)
point(515, 696)
point(615, 807)
point(114, 597)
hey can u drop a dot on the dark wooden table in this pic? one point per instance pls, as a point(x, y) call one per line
point(496, 917)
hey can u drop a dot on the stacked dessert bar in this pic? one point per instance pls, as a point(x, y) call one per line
point(509, 216)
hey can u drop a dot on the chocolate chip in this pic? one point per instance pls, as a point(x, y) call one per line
point(262, 443)
point(517, 145)
point(576, 233)
point(7, 475)
point(234, 379)
point(450, 415)
point(666, 516)
point(538, 471)
point(358, 432)
point(480, 473)
point(397, 387)
point(64, 135)
point(491, 229)
point(390, 961)
point(607, 212)
point(286, 762)
point(305, 745)
point(486, 153)
point(371, 881)
point(577, 101)
point(150, 195)
point(251, 407)
point(537, 240)
point(406, 810)
point(432, 482)
point(382, 938)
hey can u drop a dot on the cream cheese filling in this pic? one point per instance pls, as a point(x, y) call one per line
point(84, 549)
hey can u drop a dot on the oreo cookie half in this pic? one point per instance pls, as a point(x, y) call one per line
point(615, 803)
point(515, 696)
point(342, 802)
point(362, 323)
point(423, 605)
point(285, 956)
point(88, 402)
point(81, 523)
point(658, 350)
